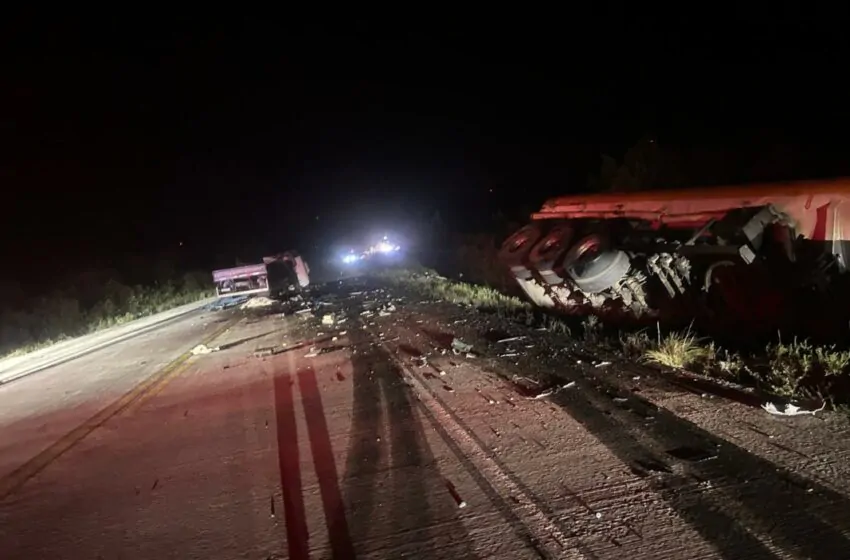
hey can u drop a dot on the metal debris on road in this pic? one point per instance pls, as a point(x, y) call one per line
point(510, 339)
point(790, 410)
point(203, 349)
point(263, 352)
point(550, 392)
point(461, 503)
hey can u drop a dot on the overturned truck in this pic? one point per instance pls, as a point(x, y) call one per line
point(762, 256)
point(278, 276)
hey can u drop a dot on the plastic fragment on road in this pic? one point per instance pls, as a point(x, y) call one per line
point(789, 410)
point(203, 349)
point(460, 347)
point(328, 319)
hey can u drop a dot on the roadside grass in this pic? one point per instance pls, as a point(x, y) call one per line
point(431, 285)
point(676, 350)
point(794, 370)
point(62, 316)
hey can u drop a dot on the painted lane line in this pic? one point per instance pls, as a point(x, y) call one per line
point(17, 478)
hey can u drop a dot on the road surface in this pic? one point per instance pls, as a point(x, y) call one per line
point(371, 438)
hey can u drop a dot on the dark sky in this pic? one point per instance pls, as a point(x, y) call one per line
point(129, 135)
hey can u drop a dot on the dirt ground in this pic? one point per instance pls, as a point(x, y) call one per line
point(365, 427)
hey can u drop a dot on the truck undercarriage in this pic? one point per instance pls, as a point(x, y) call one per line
point(757, 257)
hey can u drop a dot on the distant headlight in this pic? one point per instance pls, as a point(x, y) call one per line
point(348, 259)
point(384, 247)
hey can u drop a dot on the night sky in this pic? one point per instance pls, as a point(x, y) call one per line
point(128, 136)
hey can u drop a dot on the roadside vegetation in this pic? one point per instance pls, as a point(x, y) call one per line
point(790, 369)
point(431, 285)
point(79, 310)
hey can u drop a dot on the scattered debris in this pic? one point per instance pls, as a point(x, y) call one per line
point(460, 347)
point(461, 503)
point(227, 302)
point(328, 319)
point(256, 302)
point(511, 339)
point(302, 311)
point(319, 351)
point(508, 355)
point(552, 391)
point(203, 349)
point(790, 410)
point(603, 364)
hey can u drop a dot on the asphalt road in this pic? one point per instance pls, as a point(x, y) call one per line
point(370, 438)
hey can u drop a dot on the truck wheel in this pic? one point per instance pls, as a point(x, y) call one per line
point(595, 267)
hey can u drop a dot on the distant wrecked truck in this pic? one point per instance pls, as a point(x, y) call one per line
point(277, 276)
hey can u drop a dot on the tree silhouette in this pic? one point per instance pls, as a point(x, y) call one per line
point(645, 166)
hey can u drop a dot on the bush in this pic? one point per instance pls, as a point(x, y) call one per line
point(65, 314)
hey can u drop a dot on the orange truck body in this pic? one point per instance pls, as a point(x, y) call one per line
point(744, 253)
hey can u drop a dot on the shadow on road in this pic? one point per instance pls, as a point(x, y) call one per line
point(756, 495)
point(392, 479)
